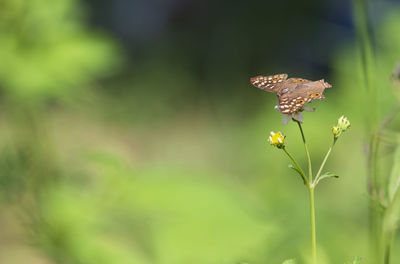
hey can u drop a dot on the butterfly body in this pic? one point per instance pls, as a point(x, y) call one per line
point(292, 93)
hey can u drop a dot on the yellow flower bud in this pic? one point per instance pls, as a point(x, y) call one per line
point(342, 125)
point(336, 131)
point(277, 139)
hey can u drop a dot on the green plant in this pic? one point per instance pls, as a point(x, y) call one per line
point(48, 55)
point(383, 177)
point(311, 181)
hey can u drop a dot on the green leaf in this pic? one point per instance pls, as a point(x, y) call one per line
point(289, 261)
point(298, 171)
point(294, 168)
point(326, 175)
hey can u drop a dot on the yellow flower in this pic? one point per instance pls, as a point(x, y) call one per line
point(277, 139)
point(342, 125)
point(336, 131)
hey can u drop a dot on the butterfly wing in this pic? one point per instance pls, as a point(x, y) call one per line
point(297, 81)
point(291, 102)
point(294, 100)
point(272, 83)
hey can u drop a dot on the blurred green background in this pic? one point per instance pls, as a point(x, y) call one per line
point(130, 132)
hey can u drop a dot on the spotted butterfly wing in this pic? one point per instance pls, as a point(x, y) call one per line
point(271, 83)
point(294, 100)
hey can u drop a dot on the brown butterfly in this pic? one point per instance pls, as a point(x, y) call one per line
point(292, 93)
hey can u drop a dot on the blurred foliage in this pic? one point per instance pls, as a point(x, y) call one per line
point(355, 261)
point(148, 217)
point(289, 261)
point(46, 54)
point(46, 51)
point(380, 115)
point(167, 161)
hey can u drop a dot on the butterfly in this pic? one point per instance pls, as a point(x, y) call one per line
point(292, 93)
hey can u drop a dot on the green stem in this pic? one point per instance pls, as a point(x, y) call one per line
point(297, 166)
point(313, 232)
point(388, 246)
point(310, 186)
point(310, 177)
point(324, 161)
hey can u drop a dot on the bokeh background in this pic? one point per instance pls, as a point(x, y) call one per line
point(129, 132)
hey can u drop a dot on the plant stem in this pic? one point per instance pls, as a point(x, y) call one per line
point(313, 232)
point(297, 166)
point(324, 161)
point(387, 249)
point(310, 177)
point(311, 187)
